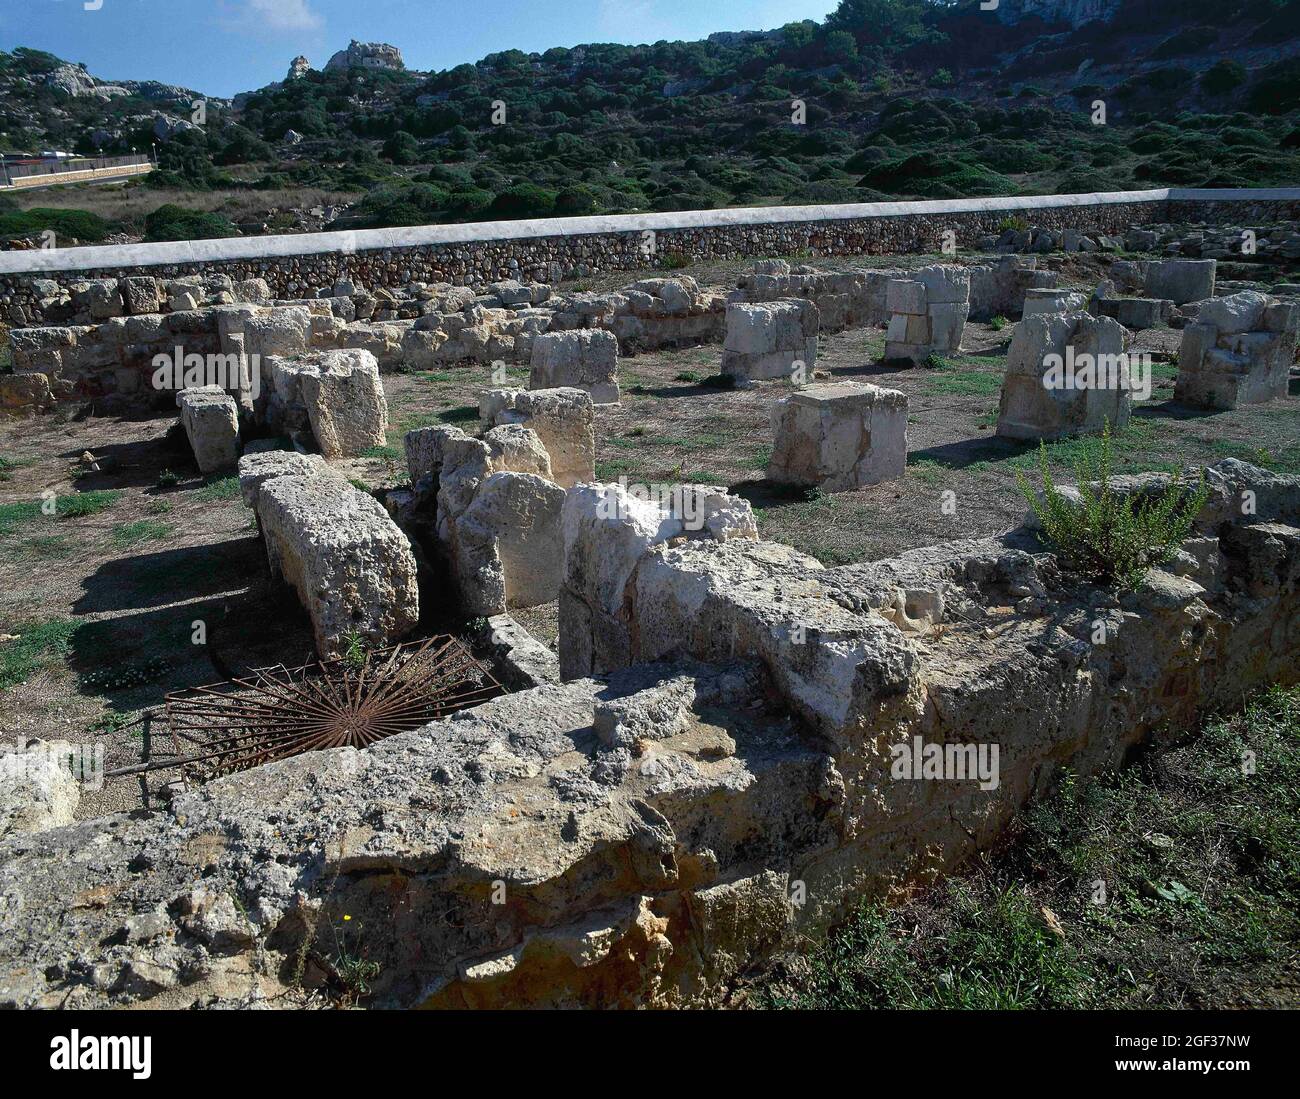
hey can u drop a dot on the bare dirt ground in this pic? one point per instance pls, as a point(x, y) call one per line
point(99, 600)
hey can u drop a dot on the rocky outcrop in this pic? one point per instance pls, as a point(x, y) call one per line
point(366, 55)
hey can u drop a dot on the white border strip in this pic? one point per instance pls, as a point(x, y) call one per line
point(368, 240)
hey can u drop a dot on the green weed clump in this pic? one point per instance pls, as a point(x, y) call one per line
point(1108, 536)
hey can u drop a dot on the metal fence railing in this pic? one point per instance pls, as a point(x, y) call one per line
point(12, 170)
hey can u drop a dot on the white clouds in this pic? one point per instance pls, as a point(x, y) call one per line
point(283, 15)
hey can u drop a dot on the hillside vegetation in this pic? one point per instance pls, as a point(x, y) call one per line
point(901, 98)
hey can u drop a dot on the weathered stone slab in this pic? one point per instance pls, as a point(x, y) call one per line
point(770, 340)
point(341, 396)
point(564, 420)
point(1050, 300)
point(928, 312)
point(586, 359)
point(839, 436)
point(256, 468)
point(1239, 351)
point(349, 563)
point(1181, 280)
point(1067, 374)
point(210, 418)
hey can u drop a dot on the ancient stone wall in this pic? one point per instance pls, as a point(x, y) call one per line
point(643, 839)
point(554, 249)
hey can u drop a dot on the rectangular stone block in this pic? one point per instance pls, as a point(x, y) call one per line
point(1066, 375)
point(211, 422)
point(770, 340)
point(839, 437)
point(905, 296)
point(350, 564)
point(583, 359)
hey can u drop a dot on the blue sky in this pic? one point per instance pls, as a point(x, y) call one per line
point(225, 46)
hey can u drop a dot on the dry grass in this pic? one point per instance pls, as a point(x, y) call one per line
point(127, 205)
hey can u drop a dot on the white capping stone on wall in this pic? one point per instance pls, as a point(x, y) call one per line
point(367, 240)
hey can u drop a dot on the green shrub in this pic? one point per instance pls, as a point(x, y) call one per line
point(66, 224)
point(171, 222)
point(1223, 77)
point(1107, 536)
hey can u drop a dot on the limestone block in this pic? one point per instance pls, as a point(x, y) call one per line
point(25, 393)
point(766, 340)
point(839, 436)
point(280, 332)
point(424, 453)
point(1243, 312)
point(101, 299)
point(584, 359)
point(1136, 313)
point(905, 296)
point(1240, 351)
point(142, 295)
point(253, 291)
point(1181, 280)
point(38, 789)
point(944, 283)
point(258, 467)
point(1067, 374)
point(342, 395)
point(1051, 300)
point(350, 564)
point(564, 420)
point(210, 418)
point(518, 449)
point(509, 543)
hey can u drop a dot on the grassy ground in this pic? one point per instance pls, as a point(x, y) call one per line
point(1198, 904)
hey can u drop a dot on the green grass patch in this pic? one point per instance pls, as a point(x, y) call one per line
point(81, 504)
point(219, 488)
point(8, 465)
point(39, 645)
point(964, 383)
point(126, 535)
point(72, 506)
point(387, 453)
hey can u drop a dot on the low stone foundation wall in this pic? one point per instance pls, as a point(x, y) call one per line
point(642, 839)
point(554, 249)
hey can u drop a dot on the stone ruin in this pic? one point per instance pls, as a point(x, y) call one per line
point(844, 299)
point(771, 340)
point(336, 547)
point(648, 315)
point(489, 508)
point(1003, 288)
point(584, 359)
point(564, 420)
point(1067, 374)
point(210, 419)
point(650, 826)
point(332, 398)
point(1239, 350)
point(839, 437)
point(1052, 301)
point(927, 313)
